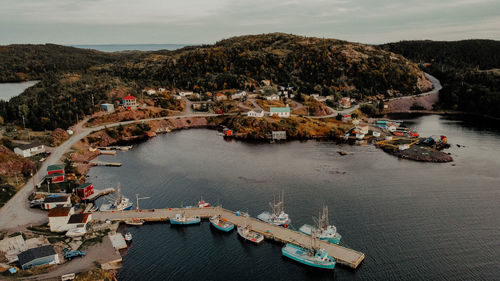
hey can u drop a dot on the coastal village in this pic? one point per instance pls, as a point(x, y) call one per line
point(74, 225)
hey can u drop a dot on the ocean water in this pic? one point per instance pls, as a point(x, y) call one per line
point(9, 90)
point(131, 47)
point(414, 221)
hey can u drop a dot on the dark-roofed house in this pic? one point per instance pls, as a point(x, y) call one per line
point(58, 218)
point(38, 256)
point(56, 201)
point(78, 221)
point(30, 149)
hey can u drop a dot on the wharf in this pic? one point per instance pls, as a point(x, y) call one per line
point(100, 192)
point(107, 152)
point(109, 164)
point(118, 241)
point(341, 254)
point(123, 148)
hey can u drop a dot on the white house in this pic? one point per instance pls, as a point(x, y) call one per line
point(162, 89)
point(185, 94)
point(150, 92)
point(363, 129)
point(280, 111)
point(78, 221)
point(257, 112)
point(30, 149)
point(58, 218)
point(238, 95)
point(273, 97)
point(53, 202)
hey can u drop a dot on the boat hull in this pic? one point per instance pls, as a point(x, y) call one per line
point(186, 222)
point(252, 238)
point(307, 229)
point(297, 254)
point(266, 217)
point(221, 227)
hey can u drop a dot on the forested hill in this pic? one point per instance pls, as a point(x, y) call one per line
point(314, 65)
point(70, 76)
point(34, 62)
point(469, 71)
point(482, 54)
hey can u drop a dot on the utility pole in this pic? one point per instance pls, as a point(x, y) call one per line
point(92, 103)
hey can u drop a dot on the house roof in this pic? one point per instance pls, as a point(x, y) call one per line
point(78, 218)
point(56, 199)
point(129, 97)
point(55, 167)
point(279, 109)
point(84, 185)
point(29, 145)
point(59, 212)
point(257, 110)
point(54, 175)
point(35, 253)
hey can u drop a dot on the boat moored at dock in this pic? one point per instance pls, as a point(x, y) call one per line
point(181, 219)
point(119, 204)
point(221, 223)
point(246, 233)
point(324, 230)
point(134, 222)
point(315, 258)
point(278, 215)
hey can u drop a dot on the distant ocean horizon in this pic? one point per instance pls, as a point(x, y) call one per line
point(130, 47)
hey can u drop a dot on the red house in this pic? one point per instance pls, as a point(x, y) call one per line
point(129, 102)
point(85, 190)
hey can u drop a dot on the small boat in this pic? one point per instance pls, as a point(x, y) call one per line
point(246, 233)
point(316, 258)
point(221, 223)
point(203, 204)
point(76, 232)
point(134, 222)
point(128, 237)
point(180, 219)
point(324, 230)
point(278, 215)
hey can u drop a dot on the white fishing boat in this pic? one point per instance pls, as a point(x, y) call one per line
point(134, 222)
point(246, 233)
point(324, 230)
point(119, 204)
point(278, 215)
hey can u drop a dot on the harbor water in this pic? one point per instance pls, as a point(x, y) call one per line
point(9, 90)
point(414, 221)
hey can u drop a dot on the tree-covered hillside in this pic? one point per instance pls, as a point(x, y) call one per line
point(468, 70)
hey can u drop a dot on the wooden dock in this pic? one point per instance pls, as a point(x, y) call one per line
point(341, 254)
point(100, 192)
point(109, 164)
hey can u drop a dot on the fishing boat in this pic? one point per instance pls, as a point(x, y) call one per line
point(119, 204)
point(278, 215)
point(246, 233)
point(128, 237)
point(203, 204)
point(315, 258)
point(324, 230)
point(134, 222)
point(221, 223)
point(180, 219)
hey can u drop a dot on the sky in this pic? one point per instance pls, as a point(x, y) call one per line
point(207, 21)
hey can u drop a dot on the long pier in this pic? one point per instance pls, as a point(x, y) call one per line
point(341, 254)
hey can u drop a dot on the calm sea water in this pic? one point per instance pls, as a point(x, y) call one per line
point(414, 221)
point(131, 47)
point(9, 90)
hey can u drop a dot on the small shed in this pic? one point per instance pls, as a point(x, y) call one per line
point(278, 135)
point(85, 190)
point(57, 168)
point(38, 256)
point(58, 218)
point(108, 107)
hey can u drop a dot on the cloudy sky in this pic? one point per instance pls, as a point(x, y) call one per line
point(207, 21)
